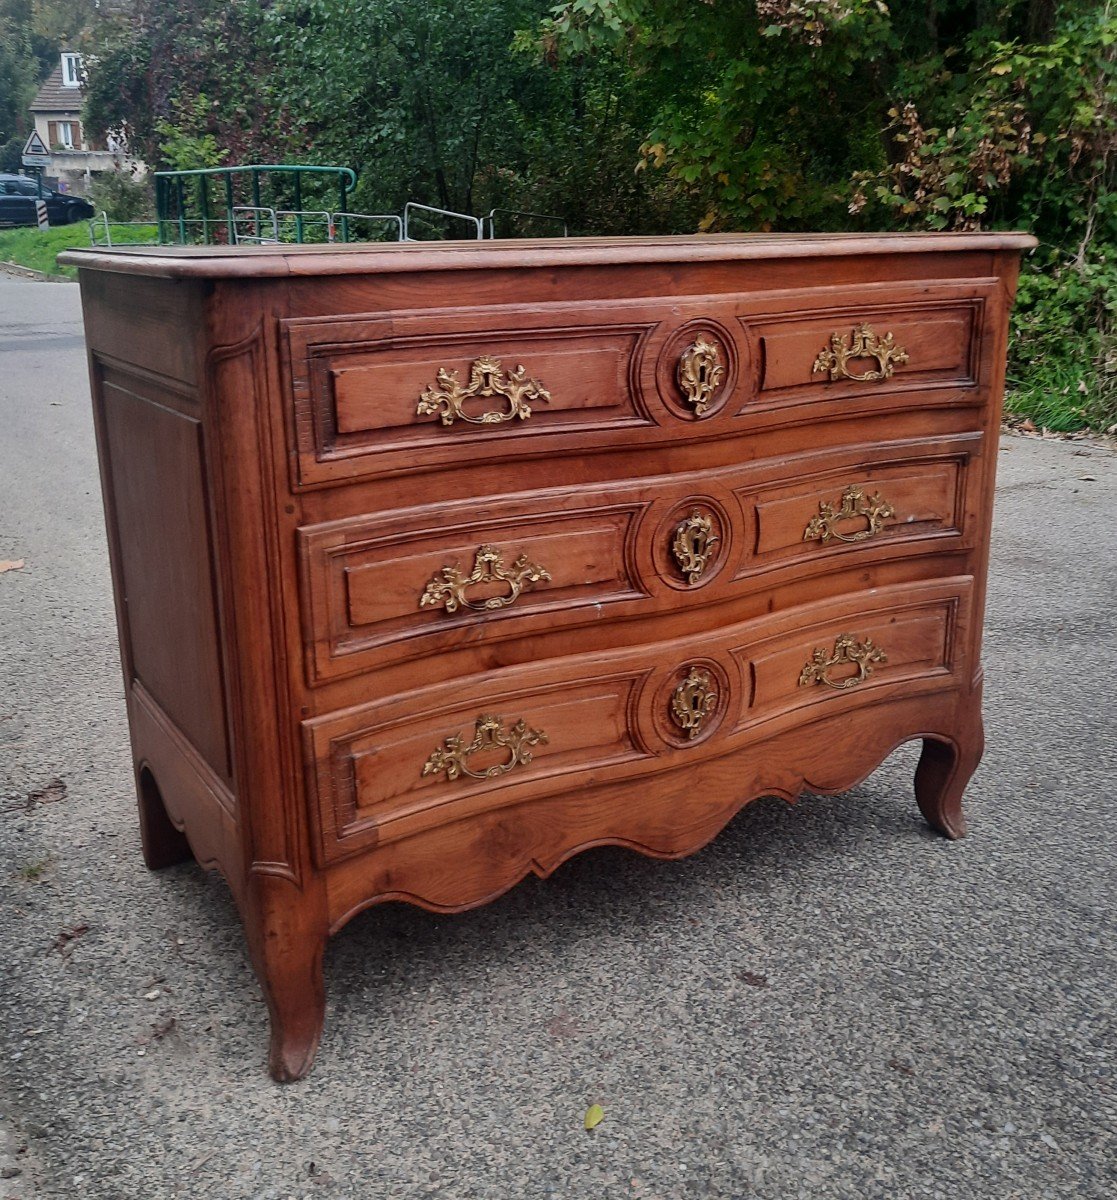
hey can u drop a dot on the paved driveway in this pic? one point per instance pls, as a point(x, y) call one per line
point(827, 1002)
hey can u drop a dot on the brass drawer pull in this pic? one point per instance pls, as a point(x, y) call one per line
point(700, 373)
point(453, 755)
point(863, 343)
point(488, 567)
point(847, 650)
point(693, 545)
point(855, 503)
point(486, 378)
point(693, 701)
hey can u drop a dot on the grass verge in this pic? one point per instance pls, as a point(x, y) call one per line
point(37, 249)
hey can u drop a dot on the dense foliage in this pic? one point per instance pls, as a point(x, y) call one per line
point(950, 114)
point(626, 116)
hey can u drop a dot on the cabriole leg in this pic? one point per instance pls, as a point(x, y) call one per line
point(287, 935)
point(296, 994)
point(944, 770)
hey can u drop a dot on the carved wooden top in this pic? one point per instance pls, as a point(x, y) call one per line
point(378, 258)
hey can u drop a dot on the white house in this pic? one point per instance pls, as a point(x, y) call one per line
point(56, 111)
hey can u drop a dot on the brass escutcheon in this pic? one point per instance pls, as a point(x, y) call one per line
point(452, 757)
point(863, 343)
point(488, 567)
point(855, 503)
point(847, 649)
point(693, 545)
point(693, 701)
point(487, 377)
point(700, 373)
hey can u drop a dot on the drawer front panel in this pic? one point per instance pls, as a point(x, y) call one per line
point(390, 769)
point(852, 655)
point(855, 507)
point(860, 348)
point(503, 738)
point(429, 580)
point(380, 394)
point(386, 587)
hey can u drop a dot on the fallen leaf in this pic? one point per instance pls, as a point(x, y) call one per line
point(1028, 425)
point(595, 1114)
point(752, 978)
point(64, 942)
point(53, 791)
point(11, 564)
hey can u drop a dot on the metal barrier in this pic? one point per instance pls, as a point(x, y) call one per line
point(186, 212)
point(336, 225)
point(103, 223)
point(490, 217)
point(411, 207)
point(306, 218)
point(177, 190)
point(342, 220)
point(256, 238)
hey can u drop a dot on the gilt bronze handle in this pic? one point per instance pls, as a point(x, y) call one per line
point(449, 588)
point(863, 343)
point(847, 650)
point(487, 377)
point(874, 509)
point(452, 757)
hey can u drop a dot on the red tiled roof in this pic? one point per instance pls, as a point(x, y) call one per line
point(54, 96)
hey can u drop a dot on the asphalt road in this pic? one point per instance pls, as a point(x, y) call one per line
point(827, 1002)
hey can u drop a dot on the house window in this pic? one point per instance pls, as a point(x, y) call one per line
point(71, 70)
point(63, 134)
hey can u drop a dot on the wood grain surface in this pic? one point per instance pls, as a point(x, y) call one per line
point(373, 653)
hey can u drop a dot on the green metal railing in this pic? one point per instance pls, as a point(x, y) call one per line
point(178, 194)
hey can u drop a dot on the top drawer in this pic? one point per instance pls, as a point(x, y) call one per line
point(376, 394)
point(401, 391)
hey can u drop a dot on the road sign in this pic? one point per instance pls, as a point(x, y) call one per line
point(35, 152)
point(41, 214)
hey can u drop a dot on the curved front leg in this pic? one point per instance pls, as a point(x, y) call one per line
point(295, 991)
point(287, 934)
point(944, 770)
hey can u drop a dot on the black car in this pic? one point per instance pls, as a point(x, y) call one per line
point(18, 194)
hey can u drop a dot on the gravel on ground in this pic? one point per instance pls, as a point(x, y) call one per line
point(827, 1002)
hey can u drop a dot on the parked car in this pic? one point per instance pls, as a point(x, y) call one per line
point(18, 194)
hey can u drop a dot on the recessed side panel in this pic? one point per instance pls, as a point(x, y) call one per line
point(158, 518)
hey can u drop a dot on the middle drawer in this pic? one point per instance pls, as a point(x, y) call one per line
point(388, 587)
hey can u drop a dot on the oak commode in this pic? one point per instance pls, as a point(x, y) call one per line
point(437, 564)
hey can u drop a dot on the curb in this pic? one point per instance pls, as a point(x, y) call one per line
point(12, 268)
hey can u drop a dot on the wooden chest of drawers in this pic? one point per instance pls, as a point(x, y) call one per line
point(435, 565)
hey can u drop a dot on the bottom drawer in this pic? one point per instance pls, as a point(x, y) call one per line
point(401, 764)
